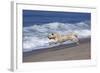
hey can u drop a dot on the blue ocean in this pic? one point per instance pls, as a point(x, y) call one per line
point(37, 25)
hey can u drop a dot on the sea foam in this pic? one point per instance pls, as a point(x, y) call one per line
point(35, 36)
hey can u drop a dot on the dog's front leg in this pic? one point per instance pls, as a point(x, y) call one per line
point(50, 43)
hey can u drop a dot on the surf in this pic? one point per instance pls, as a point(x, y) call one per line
point(35, 36)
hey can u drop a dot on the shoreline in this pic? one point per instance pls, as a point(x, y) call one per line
point(61, 52)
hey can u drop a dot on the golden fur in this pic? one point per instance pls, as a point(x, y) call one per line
point(58, 38)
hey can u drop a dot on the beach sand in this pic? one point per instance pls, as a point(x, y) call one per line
point(60, 53)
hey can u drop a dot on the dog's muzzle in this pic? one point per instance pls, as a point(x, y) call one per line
point(49, 38)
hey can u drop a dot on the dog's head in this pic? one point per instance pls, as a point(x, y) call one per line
point(52, 36)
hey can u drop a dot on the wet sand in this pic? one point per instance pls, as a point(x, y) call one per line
point(60, 53)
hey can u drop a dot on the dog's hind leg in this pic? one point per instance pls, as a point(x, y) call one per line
point(76, 40)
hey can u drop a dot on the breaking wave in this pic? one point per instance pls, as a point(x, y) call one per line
point(35, 36)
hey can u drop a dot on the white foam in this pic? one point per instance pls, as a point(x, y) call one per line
point(35, 36)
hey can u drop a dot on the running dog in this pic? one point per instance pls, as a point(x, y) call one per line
point(58, 38)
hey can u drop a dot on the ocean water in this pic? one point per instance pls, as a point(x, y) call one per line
point(37, 25)
point(35, 35)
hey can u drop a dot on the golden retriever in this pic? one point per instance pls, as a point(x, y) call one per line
point(58, 38)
